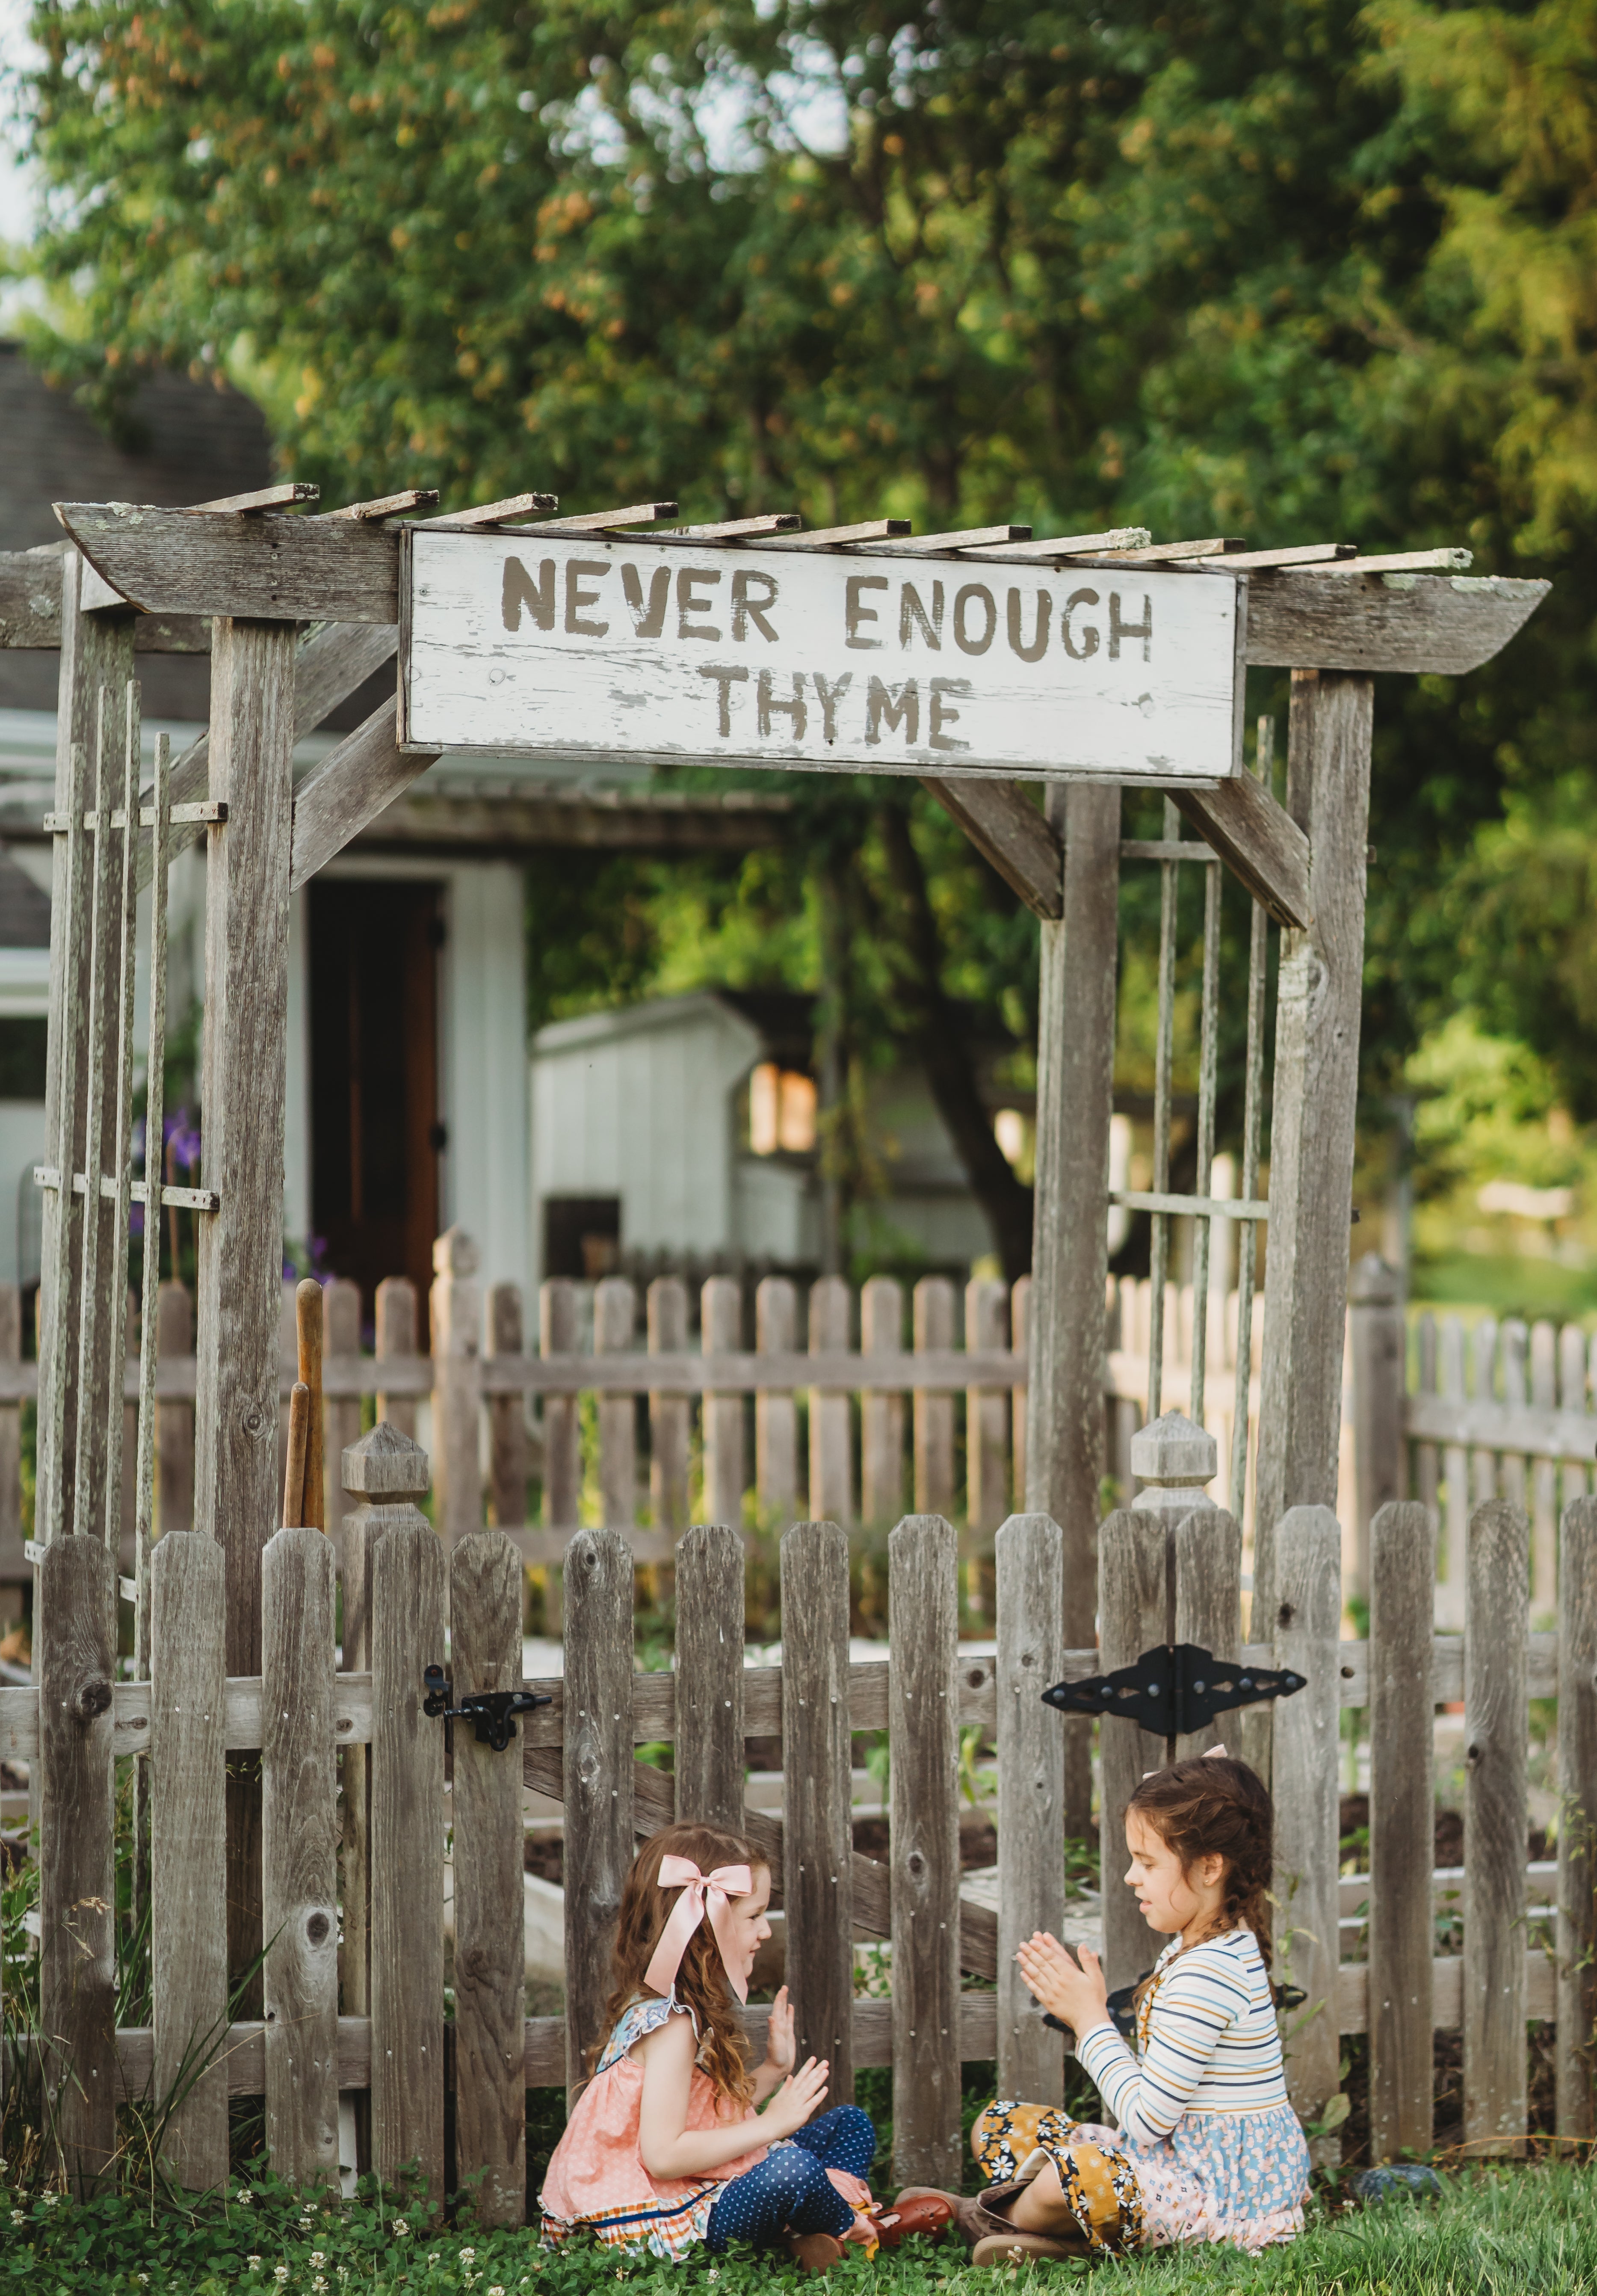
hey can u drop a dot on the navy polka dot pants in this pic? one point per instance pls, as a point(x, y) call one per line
point(790, 2191)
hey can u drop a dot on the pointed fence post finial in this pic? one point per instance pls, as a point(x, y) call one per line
point(1174, 1457)
point(386, 1465)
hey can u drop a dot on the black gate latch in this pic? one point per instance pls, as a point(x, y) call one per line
point(490, 1709)
point(1173, 1689)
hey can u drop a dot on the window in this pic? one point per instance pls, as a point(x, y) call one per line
point(782, 1111)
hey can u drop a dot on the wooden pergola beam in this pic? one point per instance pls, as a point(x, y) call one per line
point(280, 567)
point(1007, 830)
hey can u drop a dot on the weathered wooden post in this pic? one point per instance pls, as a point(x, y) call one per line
point(1307, 1621)
point(1076, 1074)
point(1376, 1336)
point(1321, 985)
point(456, 1303)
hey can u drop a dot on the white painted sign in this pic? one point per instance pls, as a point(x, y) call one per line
point(593, 647)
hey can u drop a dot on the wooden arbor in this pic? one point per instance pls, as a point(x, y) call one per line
point(305, 607)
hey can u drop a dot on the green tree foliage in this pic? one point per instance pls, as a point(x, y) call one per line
point(1290, 270)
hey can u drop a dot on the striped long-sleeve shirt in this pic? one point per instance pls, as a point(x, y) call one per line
point(1212, 2044)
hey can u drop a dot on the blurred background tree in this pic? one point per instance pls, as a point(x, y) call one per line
point(1293, 270)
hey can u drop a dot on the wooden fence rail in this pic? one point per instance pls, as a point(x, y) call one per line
point(355, 1813)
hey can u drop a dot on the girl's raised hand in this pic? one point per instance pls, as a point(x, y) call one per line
point(781, 2049)
point(795, 2100)
point(1076, 1995)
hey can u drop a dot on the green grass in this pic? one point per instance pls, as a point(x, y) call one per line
point(1504, 2232)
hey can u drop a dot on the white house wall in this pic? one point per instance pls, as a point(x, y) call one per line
point(640, 1105)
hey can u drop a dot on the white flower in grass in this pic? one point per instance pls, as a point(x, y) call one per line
point(280, 2273)
point(17, 2217)
point(317, 2258)
point(496, 2290)
point(467, 2256)
point(50, 2200)
point(319, 2285)
point(253, 2262)
point(399, 2227)
point(245, 2196)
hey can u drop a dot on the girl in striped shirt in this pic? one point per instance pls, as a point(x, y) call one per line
point(1204, 2128)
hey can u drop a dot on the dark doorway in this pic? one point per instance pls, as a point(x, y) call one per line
point(375, 1136)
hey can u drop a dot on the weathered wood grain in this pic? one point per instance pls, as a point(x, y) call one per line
point(1207, 1559)
point(508, 1460)
point(1446, 623)
point(710, 1671)
point(299, 1853)
point(882, 1416)
point(12, 1558)
point(776, 1413)
point(1315, 1092)
point(75, 1658)
point(923, 1727)
point(1403, 1573)
point(1075, 1055)
point(408, 1589)
point(1135, 1613)
point(1010, 833)
point(490, 2105)
point(273, 568)
point(396, 1339)
point(1377, 1344)
point(97, 651)
point(175, 1417)
point(615, 1324)
point(31, 608)
point(1019, 1395)
point(240, 1246)
point(563, 1435)
point(831, 1419)
point(666, 1330)
point(346, 792)
point(986, 1410)
point(306, 1497)
point(1577, 1824)
point(1483, 1460)
point(455, 1302)
point(932, 1317)
point(340, 1414)
point(188, 1935)
point(597, 1771)
point(1307, 1612)
point(818, 1849)
point(1426, 1480)
point(721, 1328)
point(1516, 1348)
point(1455, 1468)
point(1260, 842)
point(1544, 1518)
point(1029, 1556)
point(1496, 1627)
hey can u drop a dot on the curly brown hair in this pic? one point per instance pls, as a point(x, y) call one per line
point(1214, 1807)
point(701, 1980)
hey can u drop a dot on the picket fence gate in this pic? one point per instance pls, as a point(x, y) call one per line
point(355, 1810)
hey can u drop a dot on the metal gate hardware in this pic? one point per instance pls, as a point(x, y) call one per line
point(1173, 1689)
point(490, 1709)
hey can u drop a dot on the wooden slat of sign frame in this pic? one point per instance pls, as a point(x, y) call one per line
point(1010, 833)
point(1117, 540)
point(31, 608)
point(408, 1582)
point(299, 1852)
point(490, 2122)
point(353, 785)
point(1320, 619)
point(273, 568)
point(605, 647)
point(1260, 842)
point(279, 498)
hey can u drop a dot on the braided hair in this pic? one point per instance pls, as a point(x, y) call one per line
point(1214, 1807)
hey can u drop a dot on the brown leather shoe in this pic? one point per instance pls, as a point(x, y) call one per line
point(919, 2209)
point(814, 2251)
point(973, 2218)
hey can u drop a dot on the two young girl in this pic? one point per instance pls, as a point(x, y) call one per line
point(673, 2141)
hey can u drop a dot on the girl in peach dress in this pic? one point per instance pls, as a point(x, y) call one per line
point(665, 2147)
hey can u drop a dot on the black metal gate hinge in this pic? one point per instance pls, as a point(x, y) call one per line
point(1173, 1689)
point(492, 1711)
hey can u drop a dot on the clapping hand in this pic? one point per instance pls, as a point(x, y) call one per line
point(795, 2100)
point(1076, 1995)
point(781, 2048)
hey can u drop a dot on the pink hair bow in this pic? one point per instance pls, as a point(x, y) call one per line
point(701, 1893)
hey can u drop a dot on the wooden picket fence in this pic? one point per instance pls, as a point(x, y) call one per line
point(360, 1786)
